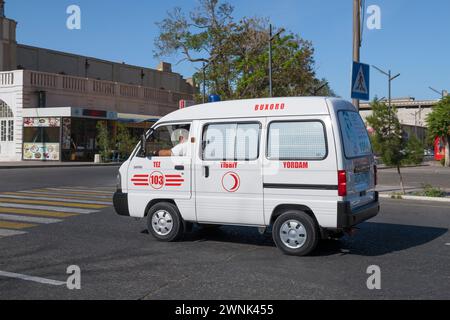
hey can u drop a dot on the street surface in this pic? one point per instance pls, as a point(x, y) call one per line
point(57, 217)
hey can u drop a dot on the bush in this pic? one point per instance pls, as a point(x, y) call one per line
point(432, 192)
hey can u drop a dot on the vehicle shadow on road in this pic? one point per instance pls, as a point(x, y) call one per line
point(232, 234)
point(377, 239)
point(372, 239)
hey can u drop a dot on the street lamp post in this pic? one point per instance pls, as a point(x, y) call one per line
point(390, 79)
point(271, 37)
point(443, 93)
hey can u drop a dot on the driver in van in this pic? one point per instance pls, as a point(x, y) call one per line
point(180, 150)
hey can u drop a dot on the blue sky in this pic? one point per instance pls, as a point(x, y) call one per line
point(413, 41)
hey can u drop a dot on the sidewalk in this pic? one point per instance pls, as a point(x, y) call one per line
point(52, 164)
point(390, 191)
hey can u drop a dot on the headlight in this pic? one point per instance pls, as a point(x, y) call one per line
point(119, 181)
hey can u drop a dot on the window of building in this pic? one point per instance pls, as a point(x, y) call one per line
point(5, 110)
point(231, 142)
point(3, 130)
point(6, 123)
point(300, 140)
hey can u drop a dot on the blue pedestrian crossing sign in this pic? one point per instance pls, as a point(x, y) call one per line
point(361, 81)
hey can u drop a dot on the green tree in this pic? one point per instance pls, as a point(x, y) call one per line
point(103, 140)
point(236, 53)
point(439, 125)
point(125, 141)
point(389, 139)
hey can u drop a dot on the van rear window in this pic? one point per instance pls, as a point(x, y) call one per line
point(354, 135)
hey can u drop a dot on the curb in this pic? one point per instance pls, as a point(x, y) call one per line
point(388, 196)
point(61, 166)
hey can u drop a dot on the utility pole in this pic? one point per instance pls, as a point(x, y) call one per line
point(271, 37)
point(356, 37)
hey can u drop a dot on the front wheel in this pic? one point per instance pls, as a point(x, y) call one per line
point(164, 222)
point(295, 233)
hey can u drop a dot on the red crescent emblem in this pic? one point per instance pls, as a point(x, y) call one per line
point(231, 182)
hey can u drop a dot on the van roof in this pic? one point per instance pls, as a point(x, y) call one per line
point(265, 107)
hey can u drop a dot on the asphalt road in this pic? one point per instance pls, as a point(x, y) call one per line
point(409, 241)
point(435, 176)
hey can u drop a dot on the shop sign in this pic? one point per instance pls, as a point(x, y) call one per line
point(41, 122)
point(41, 151)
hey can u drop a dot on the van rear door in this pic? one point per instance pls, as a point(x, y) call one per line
point(357, 158)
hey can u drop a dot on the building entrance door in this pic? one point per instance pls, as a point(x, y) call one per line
point(6, 132)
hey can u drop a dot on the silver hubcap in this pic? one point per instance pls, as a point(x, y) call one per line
point(293, 234)
point(162, 222)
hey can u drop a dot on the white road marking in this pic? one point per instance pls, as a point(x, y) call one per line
point(56, 199)
point(80, 190)
point(31, 278)
point(100, 197)
point(447, 244)
point(48, 208)
point(11, 217)
point(8, 233)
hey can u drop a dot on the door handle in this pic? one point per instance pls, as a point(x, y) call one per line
point(137, 167)
point(179, 168)
point(206, 168)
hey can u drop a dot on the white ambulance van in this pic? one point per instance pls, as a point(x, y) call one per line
point(302, 166)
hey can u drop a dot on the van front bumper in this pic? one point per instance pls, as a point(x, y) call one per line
point(348, 217)
point(120, 201)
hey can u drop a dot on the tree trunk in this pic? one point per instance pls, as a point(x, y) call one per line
point(447, 150)
point(402, 187)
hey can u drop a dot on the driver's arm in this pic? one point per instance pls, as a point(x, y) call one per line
point(163, 153)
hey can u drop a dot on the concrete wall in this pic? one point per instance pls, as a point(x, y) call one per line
point(45, 60)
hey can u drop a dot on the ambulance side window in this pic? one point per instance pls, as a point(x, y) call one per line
point(297, 140)
point(231, 142)
point(173, 138)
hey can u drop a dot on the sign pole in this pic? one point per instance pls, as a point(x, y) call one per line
point(356, 37)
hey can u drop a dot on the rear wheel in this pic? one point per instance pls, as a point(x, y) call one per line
point(164, 222)
point(295, 233)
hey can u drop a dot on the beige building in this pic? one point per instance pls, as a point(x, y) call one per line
point(411, 113)
point(51, 101)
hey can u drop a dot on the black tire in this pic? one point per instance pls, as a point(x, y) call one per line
point(173, 218)
point(310, 229)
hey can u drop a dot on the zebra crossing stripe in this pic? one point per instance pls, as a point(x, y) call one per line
point(11, 217)
point(40, 213)
point(59, 195)
point(54, 203)
point(82, 191)
point(54, 199)
point(15, 225)
point(47, 208)
point(9, 233)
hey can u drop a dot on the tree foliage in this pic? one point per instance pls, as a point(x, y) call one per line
point(103, 140)
point(236, 53)
point(439, 125)
point(389, 140)
point(125, 141)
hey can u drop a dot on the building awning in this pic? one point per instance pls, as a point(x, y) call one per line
point(136, 118)
point(88, 114)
